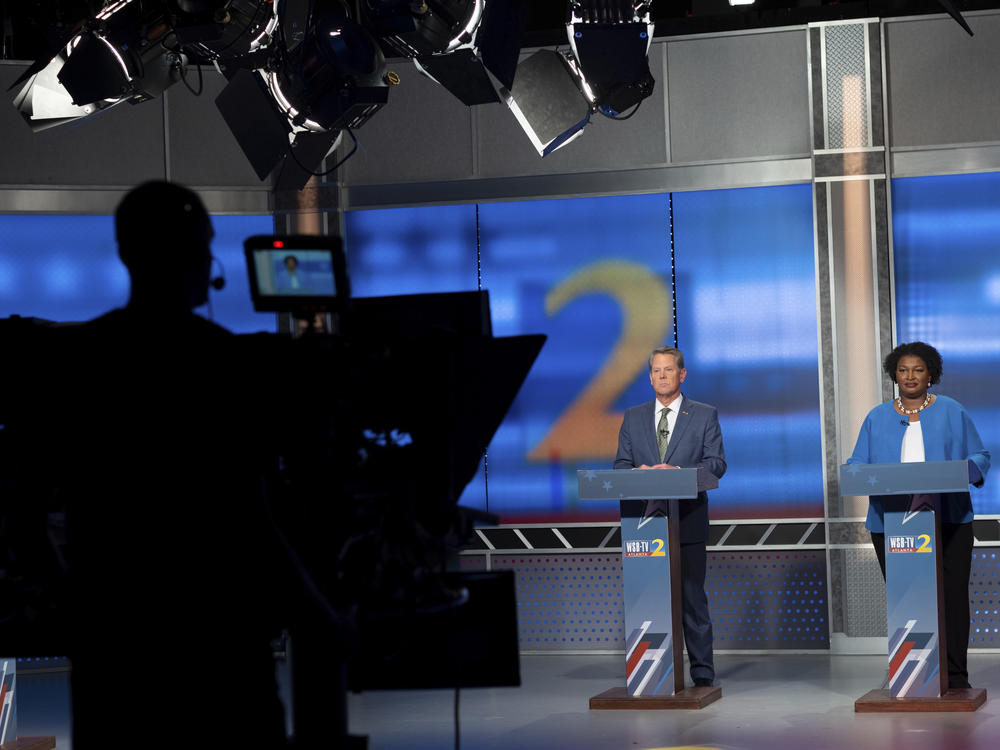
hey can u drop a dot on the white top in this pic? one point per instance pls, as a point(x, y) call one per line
point(673, 408)
point(913, 444)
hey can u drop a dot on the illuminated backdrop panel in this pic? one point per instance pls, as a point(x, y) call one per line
point(594, 275)
point(66, 267)
point(947, 273)
point(746, 319)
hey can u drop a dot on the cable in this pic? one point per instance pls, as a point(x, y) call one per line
point(306, 169)
point(479, 286)
point(201, 79)
point(625, 117)
point(673, 264)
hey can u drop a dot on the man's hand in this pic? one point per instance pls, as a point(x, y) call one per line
point(656, 466)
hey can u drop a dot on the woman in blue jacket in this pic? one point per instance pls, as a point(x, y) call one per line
point(921, 426)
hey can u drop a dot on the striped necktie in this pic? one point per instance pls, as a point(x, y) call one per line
point(663, 434)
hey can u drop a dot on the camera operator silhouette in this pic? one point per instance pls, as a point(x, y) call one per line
point(147, 438)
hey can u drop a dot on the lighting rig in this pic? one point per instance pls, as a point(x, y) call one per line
point(302, 73)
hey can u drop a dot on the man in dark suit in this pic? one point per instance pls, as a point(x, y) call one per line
point(674, 432)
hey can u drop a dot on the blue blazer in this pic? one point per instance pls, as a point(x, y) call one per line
point(696, 441)
point(949, 435)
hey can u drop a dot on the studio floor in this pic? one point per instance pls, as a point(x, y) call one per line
point(768, 702)
point(804, 701)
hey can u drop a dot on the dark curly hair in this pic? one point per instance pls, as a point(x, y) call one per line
point(926, 352)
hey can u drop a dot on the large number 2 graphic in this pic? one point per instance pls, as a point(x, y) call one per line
point(926, 546)
point(588, 428)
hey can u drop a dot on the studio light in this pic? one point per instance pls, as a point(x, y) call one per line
point(548, 100)
point(102, 65)
point(610, 42)
point(131, 51)
point(606, 71)
point(456, 43)
point(299, 100)
point(413, 29)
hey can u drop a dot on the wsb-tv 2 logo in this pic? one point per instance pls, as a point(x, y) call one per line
point(908, 543)
point(644, 548)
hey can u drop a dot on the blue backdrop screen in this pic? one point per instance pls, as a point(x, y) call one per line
point(594, 275)
point(947, 268)
point(66, 267)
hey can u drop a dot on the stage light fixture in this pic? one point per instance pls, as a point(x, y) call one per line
point(288, 115)
point(456, 43)
point(546, 100)
point(423, 27)
point(606, 71)
point(131, 51)
point(610, 43)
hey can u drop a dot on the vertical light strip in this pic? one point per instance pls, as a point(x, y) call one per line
point(822, 64)
point(834, 337)
point(666, 103)
point(673, 264)
point(877, 327)
point(890, 245)
point(479, 287)
point(166, 140)
point(868, 88)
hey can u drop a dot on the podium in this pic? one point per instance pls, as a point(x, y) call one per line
point(651, 583)
point(914, 589)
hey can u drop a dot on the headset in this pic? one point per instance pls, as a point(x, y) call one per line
point(219, 282)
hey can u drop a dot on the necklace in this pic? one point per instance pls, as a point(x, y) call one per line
point(899, 403)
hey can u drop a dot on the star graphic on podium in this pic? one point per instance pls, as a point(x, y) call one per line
point(872, 480)
point(853, 469)
point(653, 509)
point(590, 474)
point(607, 485)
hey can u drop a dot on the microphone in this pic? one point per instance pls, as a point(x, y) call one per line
point(219, 282)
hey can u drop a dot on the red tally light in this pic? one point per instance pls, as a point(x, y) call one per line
point(278, 244)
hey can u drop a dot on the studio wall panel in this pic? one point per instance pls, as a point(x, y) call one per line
point(738, 96)
point(942, 82)
point(122, 146)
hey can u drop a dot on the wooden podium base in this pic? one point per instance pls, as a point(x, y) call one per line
point(878, 701)
point(617, 698)
point(30, 743)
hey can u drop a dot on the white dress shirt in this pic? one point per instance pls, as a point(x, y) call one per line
point(913, 444)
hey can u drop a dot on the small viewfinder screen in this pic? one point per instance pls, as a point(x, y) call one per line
point(294, 273)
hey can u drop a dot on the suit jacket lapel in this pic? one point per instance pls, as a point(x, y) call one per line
point(649, 430)
point(683, 420)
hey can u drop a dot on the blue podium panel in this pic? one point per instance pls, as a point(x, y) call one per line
point(904, 479)
point(649, 627)
point(911, 592)
point(638, 484)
